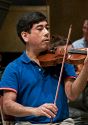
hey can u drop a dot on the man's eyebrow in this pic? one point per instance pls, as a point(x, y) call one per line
point(39, 25)
point(42, 25)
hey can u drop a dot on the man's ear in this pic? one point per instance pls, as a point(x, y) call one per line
point(25, 36)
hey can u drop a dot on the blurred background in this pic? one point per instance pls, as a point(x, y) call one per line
point(61, 14)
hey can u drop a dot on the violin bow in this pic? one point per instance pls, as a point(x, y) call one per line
point(59, 81)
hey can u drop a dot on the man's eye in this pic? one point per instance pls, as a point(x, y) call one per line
point(48, 28)
point(39, 29)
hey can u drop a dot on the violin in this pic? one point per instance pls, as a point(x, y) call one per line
point(73, 56)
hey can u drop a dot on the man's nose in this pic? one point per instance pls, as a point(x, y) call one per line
point(46, 31)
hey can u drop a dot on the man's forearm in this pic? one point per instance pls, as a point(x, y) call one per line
point(80, 82)
point(15, 109)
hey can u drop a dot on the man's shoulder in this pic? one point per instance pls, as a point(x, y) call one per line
point(15, 64)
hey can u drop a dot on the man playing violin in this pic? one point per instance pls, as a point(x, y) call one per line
point(29, 89)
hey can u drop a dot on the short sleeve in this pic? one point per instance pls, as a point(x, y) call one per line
point(9, 80)
point(69, 71)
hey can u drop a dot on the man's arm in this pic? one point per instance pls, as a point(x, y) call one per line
point(11, 107)
point(73, 88)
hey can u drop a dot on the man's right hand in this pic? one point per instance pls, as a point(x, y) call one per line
point(48, 109)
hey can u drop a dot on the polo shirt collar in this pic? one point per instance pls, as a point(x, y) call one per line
point(25, 58)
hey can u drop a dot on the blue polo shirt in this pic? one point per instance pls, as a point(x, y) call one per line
point(35, 86)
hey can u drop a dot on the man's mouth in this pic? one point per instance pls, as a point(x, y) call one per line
point(47, 40)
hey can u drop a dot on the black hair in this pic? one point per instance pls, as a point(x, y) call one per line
point(26, 22)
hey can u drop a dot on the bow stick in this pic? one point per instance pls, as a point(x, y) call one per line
point(58, 86)
point(59, 81)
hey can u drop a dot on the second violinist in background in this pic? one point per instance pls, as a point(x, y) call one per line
point(82, 42)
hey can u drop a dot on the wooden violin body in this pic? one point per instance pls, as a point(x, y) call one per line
point(74, 56)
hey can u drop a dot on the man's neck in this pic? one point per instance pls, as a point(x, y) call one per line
point(33, 57)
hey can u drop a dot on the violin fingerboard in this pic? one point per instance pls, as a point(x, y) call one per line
point(76, 51)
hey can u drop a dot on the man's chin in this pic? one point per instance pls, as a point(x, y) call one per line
point(46, 48)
